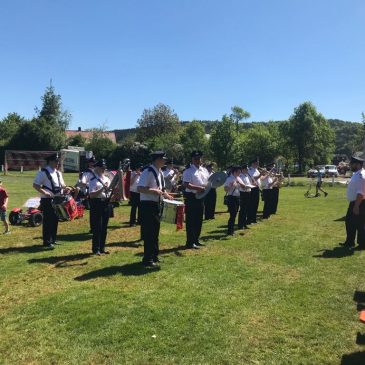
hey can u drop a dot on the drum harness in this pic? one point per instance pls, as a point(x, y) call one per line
point(54, 190)
point(160, 202)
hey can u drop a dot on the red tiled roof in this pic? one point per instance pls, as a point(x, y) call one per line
point(88, 134)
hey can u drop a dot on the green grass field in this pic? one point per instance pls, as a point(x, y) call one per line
point(281, 293)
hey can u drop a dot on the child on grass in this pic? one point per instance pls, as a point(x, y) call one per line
point(4, 199)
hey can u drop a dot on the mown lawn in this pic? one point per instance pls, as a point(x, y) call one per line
point(281, 293)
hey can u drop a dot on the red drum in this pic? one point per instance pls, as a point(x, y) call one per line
point(65, 207)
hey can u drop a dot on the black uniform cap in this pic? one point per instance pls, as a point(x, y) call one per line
point(53, 157)
point(244, 166)
point(101, 163)
point(138, 166)
point(356, 159)
point(158, 154)
point(91, 159)
point(196, 154)
point(253, 161)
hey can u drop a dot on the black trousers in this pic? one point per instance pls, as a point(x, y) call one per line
point(134, 200)
point(90, 216)
point(50, 222)
point(194, 209)
point(244, 205)
point(253, 205)
point(355, 224)
point(268, 202)
point(275, 200)
point(150, 230)
point(100, 212)
point(233, 205)
point(210, 203)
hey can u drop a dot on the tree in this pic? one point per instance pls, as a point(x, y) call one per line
point(161, 120)
point(51, 110)
point(38, 135)
point(238, 114)
point(223, 142)
point(262, 143)
point(101, 146)
point(77, 140)
point(311, 135)
point(192, 138)
point(10, 125)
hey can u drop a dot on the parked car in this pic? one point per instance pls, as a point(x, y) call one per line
point(313, 171)
point(331, 170)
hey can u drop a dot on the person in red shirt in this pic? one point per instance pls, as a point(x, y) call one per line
point(4, 199)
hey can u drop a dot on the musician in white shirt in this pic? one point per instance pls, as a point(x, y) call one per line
point(100, 208)
point(232, 188)
point(255, 192)
point(267, 183)
point(151, 187)
point(355, 217)
point(195, 179)
point(49, 182)
point(211, 198)
point(245, 194)
point(134, 197)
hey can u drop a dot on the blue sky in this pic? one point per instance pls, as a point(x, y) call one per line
point(111, 59)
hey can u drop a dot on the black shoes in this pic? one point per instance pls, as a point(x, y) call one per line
point(192, 247)
point(347, 244)
point(199, 244)
point(151, 265)
point(49, 247)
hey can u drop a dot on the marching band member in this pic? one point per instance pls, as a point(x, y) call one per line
point(151, 187)
point(245, 193)
point(49, 182)
point(134, 196)
point(355, 217)
point(195, 179)
point(267, 183)
point(232, 187)
point(275, 190)
point(211, 198)
point(99, 207)
point(255, 175)
point(170, 173)
point(83, 183)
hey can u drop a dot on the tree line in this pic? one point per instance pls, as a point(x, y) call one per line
point(306, 138)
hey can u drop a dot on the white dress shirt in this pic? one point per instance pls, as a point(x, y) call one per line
point(42, 180)
point(148, 180)
point(134, 186)
point(254, 173)
point(95, 185)
point(195, 176)
point(266, 182)
point(356, 185)
point(86, 177)
point(233, 183)
point(247, 181)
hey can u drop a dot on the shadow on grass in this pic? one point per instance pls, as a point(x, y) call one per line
point(166, 251)
point(134, 269)
point(131, 244)
point(24, 249)
point(215, 237)
point(84, 236)
point(335, 253)
point(342, 219)
point(360, 339)
point(62, 261)
point(355, 358)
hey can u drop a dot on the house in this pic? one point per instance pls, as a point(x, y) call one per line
point(88, 134)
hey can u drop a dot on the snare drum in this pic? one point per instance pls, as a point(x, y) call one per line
point(173, 212)
point(65, 207)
